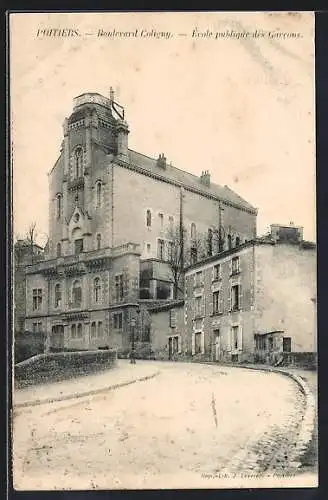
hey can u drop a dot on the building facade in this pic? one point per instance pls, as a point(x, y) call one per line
point(113, 213)
point(252, 303)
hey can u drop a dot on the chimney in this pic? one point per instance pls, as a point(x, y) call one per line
point(161, 161)
point(205, 178)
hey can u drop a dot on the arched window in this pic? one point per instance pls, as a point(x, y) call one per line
point(229, 242)
point(193, 231)
point(98, 194)
point(58, 295)
point(98, 241)
point(210, 242)
point(97, 289)
point(93, 329)
point(79, 331)
point(148, 218)
point(78, 160)
point(73, 331)
point(77, 293)
point(100, 329)
point(237, 241)
point(58, 249)
point(58, 206)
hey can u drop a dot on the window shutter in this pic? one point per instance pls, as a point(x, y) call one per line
point(240, 338)
point(240, 297)
point(203, 305)
point(220, 271)
point(230, 267)
point(229, 340)
point(193, 304)
point(213, 273)
point(230, 297)
point(203, 343)
point(221, 302)
point(210, 308)
point(179, 345)
point(192, 344)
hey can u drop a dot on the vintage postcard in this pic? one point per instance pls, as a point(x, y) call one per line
point(164, 240)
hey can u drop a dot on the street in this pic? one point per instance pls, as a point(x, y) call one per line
point(188, 426)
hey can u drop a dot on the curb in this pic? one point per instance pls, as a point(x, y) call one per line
point(308, 418)
point(38, 402)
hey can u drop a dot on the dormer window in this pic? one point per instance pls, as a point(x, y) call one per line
point(98, 241)
point(78, 162)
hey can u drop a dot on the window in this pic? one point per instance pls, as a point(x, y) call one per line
point(58, 206)
point(58, 249)
point(229, 242)
point(93, 329)
point(148, 247)
point(97, 290)
point(160, 249)
point(287, 344)
point(58, 295)
point(37, 298)
point(210, 242)
point(98, 194)
point(235, 337)
point(235, 297)
point(235, 265)
point(198, 306)
point(161, 219)
point(170, 251)
point(217, 272)
point(173, 318)
point(199, 279)
point(216, 303)
point(37, 327)
point(193, 231)
point(77, 293)
point(193, 255)
point(148, 218)
point(119, 287)
point(79, 331)
point(100, 329)
point(78, 159)
point(98, 241)
point(237, 241)
point(78, 246)
point(118, 321)
point(198, 343)
point(73, 331)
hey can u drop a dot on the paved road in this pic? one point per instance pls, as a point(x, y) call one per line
point(190, 426)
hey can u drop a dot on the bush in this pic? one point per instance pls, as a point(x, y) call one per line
point(28, 344)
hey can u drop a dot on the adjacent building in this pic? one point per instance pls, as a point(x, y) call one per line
point(253, 302)
point(113, 217)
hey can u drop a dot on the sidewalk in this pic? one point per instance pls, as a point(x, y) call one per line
point(123, 374)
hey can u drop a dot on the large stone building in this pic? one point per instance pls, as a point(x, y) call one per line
point(253, 302)
point(112, 215)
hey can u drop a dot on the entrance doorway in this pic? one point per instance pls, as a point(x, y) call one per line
point(287, 344)
point(173, 346)
point(57, 337)
point(217, 345)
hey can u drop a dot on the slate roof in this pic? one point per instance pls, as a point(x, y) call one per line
point(187, 180)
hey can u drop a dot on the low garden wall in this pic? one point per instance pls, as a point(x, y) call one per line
point(57, 366)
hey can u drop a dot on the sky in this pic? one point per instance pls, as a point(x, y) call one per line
point(242, 108)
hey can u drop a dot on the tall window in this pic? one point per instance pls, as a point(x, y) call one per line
point(98, 194)
point(58, 206)
point(78, 246)
point(118, 321)
point(100, 329)
point(210, 242)
point(170, 251)
point(93, 329)
point(58, 295)
point(79, 331)
point(235, 297)
point(193, 231)
point(229, 242)
point(148, 218)
point(216, 303)
point(171, 220)
point(119, 287)
point(199, 278)
point(161, 219)
point(160, 249)
point(98, 241)
point(37, 298)
point(77, 293)
point(97, 289)
point(237, 241)
point(198, 306)
point(58, 249)
point(78, 159)
point(217, 272)
point(73, 331)
point(235, 265)
point(235, 337)
point(193, 255)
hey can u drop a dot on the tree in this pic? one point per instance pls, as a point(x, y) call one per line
point(31, 237)
point(182, 252)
